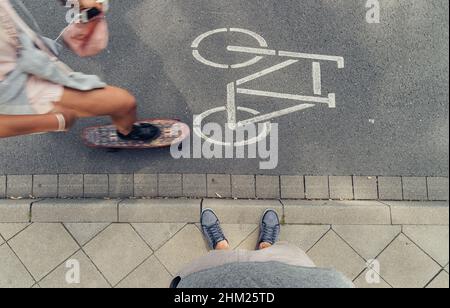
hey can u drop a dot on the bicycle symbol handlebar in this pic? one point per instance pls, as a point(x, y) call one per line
point(259, 53)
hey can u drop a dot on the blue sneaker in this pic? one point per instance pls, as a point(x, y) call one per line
point(269, 228)
point(211, 228)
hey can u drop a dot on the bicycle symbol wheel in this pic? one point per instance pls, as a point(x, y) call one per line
point(197, 55)
point(262, 134)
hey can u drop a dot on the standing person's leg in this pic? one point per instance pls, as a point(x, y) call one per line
point(283, 252)
point(269, 249)
point(213, 231)
point(220, 253)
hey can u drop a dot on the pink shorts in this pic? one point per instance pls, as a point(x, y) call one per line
point(43, 94)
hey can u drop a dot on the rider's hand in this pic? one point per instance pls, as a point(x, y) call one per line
point(87, 4)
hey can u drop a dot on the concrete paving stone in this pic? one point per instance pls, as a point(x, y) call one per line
point(84, 232)
point(332, 252)
point(9, 230)
point(390, 188)
point(251, 242)
point(237, 233)
point(2, 241)
point(362, 282)
point(157, 234)
point(45, 186)
point(81, 210)
point(42, 247)
point(341, 187)
point(446, 268)
point(267, 187)
point(292, 187)
point(317, 187)
point(242, 211)
point(159, 211)
point(19, 186)
point(404, 265)
point(337, 212)
point(15, 211)
point(243, 186)
point(90, 277)
point(12, 272)
point(434, 240)
point(2, 186)
point(368, 241)
point(117, 251)
point(219, 185)
point(440, 282)
point(438, 189)
point(96, 185)
point(170, 185)
point(303, 236)
point(70, 186)
point(415, 189)
point(419, 213)
point(121, 185)
point(186, 246)
point(194, 185)
point(145, 185)
point(151, 274)
point(365, 187)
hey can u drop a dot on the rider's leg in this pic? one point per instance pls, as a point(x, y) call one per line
point(111, 101)
point(18, 125)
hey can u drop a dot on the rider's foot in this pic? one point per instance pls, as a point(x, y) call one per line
point(141, 132)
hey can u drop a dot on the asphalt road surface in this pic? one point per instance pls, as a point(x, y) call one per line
point(391, 115)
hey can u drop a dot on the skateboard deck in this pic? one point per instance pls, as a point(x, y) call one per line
point(172, 132)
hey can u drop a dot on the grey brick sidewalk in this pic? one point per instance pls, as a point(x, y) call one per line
point(225, 186)
point(143, 243)
point(122, 235)
point(232, 211)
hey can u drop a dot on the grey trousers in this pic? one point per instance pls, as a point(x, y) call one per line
point(281, 252)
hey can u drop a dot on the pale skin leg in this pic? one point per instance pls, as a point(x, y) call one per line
point(264, 246)
point(111, 101)
point(224, 245)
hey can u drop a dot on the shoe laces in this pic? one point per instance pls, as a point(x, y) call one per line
point(215, 232)
point(269, 234)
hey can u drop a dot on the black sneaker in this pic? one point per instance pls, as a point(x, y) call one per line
point(141, 132)
point(211, 228)
point(270, 228)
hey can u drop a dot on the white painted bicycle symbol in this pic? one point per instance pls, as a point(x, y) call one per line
point(237, 87)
